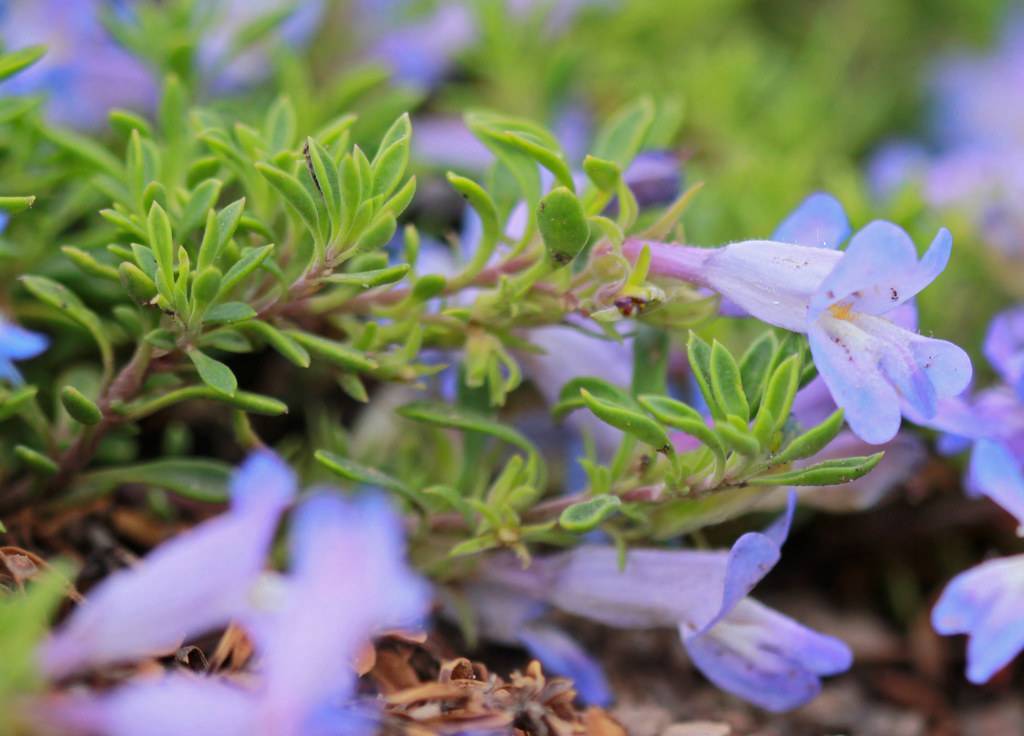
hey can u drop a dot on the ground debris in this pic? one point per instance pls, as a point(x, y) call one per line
point(465, 697)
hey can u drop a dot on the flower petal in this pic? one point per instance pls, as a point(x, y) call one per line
point(820, 221)
point(562, 655)
point(172, 706)
point(349, 579)
point(996, 473)
point(17, 343)
point(191, 584)
point(766, 657)
point(654, 177)
point(985, 603)
point(1004, 347)
point(846, 360)
point(878, 271)
point(774, 282)
point(657, 587)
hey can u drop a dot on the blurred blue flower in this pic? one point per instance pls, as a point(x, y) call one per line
point(872, 367)
point(85, 72)
point(986, 603)
point(17, 343)
point(421, 52)
point(741, 645)
point(225, 19)
point(977, 155)
point(191, 584)
point(348, 581)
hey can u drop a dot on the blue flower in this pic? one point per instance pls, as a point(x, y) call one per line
point(873, 368)
point(348, 581)
point(85, 72)
point(191, 584)
point(741, 645)
point(17, 343)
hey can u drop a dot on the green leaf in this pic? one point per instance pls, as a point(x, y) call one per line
point(14, 402)
point(251, 259)
point(588, 515)
point(650, 360)
point(738, 438)
point(726, 383)
point(629, 420)
point(487, 211)
point(66, 301)
point(281, 342)
point(619, 139)
point(370, 279)
point(685, 418)
point(161, 240)
point(378, 234)
point(87, 150)
point(812, 441)
point(563, 225)
point(358, 473)
point(214, 374)
point(280, 125)
point(698, 353)
point(550, 159)
point(389, 167)
point(203, 197)
point(295, 194)
point(79, 406)
point(88, 263)
point(325, 176)
point(36, 461)
point(334, 352)
point(220, 226)
point(827, 473)
point(569, 399)
point(778, 396)
point(452, 417)
point(205, 288)
point(754, 367)
point(193, 478)
point(228, 313)
point(605, 174)
point(15, 61)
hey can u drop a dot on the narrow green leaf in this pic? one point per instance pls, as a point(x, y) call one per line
point(36, 461)
point(370, 279)
point(334, 352)
point(628, 420)
point(358, 473)
point(620, 138)
point(754, 368)
point(281, 342)
point(726, 383)
point(79, 406)
point(588, 515)
point(192, 478)
point(698, 353)
point(214, 374)
point(812, 441)
point(15, 61)
point(295, 194)
point(827, 473)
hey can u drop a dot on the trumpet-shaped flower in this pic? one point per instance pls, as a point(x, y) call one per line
point(742, 646)
point(17, 343)
point(348, 580)
point(840, 300)
point(985, 603)
point(194, 583)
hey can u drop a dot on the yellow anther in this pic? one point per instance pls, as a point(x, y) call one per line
point(841, 311)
